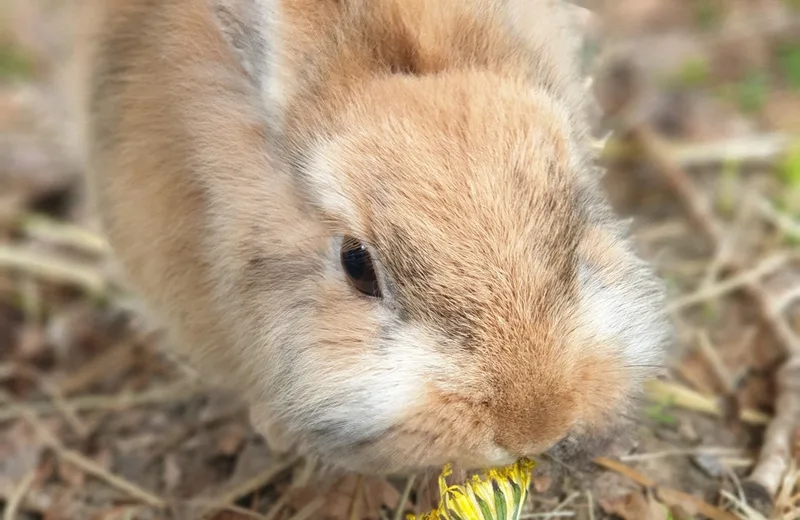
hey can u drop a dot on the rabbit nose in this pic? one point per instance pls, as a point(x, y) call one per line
point(526, 428)
point(528, 442)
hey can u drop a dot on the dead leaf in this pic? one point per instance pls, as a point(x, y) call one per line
point(31, 343)
point(695, 370)
point(339, 499)
point(20, 453)
point(692, 504)
point(709, 464)
point(254, 457)
point(541, 483)
point(380, 492)
point(670, 496)
point(231, 440)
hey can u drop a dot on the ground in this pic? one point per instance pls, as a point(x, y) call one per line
point(97, 421)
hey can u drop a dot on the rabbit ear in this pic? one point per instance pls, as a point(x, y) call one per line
point(243, 22)
point(284, 45)
point(272, 38)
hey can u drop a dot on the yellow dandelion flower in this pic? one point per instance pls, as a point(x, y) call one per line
point(499, 494)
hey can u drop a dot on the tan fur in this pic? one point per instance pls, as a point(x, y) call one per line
point(231, 145)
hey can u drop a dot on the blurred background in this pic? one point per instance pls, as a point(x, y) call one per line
point(698, 118)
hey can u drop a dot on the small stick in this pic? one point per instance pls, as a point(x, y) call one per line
point(736, 282)
point(557, 512)
point(255, 482)
point(783, 300)
point(306, 512)
point(737, 462)
point(708, 450)
point(54, 270)
point(749, 512)
point(18, 495)
point(398, 515)
point(759, 150)
point(785, 223)
point(107, 364)
point(168, 394)
point(57, 398)
point(788, 486)
point(355, 507)
point(682, 397)
point(562, 505)
point(277, 507)
point(698, 207)
point(776, 453)
point(717, 366)
point(47, 229)
point(762, 149)
point(590, 504)
point(91, 467)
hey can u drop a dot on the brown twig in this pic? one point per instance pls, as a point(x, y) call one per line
point(53, 231)
point(255, 482)
point(56, 397)
point(18, 495)
point(312, 507)
point(763, 149)
point(698, 207)
point(733, 283)
point(787, 225)
point(721, 372)
point(358, 496)
point(757, 150)
point(106, 365)
point(701, 450)
point(90, 467)
point(776, 453)
point(398, 515)
point(277, 507)
point(590, 504)
point(762, 485)
point(677, 395)
point(55, 270)
point(559, 508)
point(168, 394)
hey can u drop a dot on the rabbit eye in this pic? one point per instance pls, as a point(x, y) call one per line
point(357, 264)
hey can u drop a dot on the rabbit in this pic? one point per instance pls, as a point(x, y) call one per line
point(378, 221)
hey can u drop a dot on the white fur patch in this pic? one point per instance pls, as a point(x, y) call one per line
point(326, 183)
point(367, 391)
point(626, 316)
point(403, 367)
point(275, 71)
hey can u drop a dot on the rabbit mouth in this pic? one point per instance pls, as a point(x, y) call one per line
point(384, 454)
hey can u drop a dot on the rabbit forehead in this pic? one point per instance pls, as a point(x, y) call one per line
point(467, 189)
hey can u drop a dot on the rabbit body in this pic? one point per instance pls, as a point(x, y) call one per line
point(236, 147)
